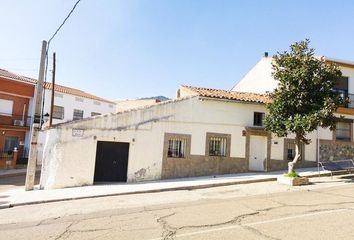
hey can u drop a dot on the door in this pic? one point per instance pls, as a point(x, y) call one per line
point(258, 153)
point(111, 162)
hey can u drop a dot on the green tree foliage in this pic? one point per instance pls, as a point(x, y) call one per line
point(304, 98)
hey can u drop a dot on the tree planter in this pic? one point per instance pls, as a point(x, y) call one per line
point(293, 181)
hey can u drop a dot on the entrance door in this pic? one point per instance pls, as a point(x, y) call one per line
point(258, 153)
point(111, 162)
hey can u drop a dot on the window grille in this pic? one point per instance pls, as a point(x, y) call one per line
point(58, 112)
point(78, 114)
point(176, 147)
point(217, 146)
point(343, 131)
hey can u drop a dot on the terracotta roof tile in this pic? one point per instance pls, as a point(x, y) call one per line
point(58, 88)
point(230, 95)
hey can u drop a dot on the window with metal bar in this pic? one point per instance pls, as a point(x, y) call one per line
point(217, 146)
point(343, 131)
point(78, 114)
point(176, 147)
point(58, 112)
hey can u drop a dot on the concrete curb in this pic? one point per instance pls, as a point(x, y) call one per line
point(209, 185)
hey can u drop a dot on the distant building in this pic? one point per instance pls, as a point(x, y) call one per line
point(123, 105)
point(16, 98)
point(16, 103)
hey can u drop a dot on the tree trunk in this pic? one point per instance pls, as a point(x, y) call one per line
point(297, 156)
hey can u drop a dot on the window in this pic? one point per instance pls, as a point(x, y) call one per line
point(10, 144)
point(78, 114)
point(258, 118)
point(289, 150)
point(341, 88)
point(6, 107)
point(343, 131)
point(78, 99)
point(96, 103)
point(217, 146)
point(176, 147)
point(95, 114)
point(58, 112)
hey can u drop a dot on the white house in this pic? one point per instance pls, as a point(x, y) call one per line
point(203, 132)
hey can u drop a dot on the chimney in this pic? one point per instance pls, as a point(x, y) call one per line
point(266, 54)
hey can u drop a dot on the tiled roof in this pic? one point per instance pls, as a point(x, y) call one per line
point(58, 88)
point(230, 95)
point(13, 76)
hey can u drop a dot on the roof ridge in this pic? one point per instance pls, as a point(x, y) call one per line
point(48, 85)
point(222, 90)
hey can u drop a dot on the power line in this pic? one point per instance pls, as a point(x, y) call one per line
point(62, 24)
point(47, 50)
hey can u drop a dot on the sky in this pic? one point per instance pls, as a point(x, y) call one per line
point(127, 49)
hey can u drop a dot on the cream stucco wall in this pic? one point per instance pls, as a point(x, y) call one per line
point(70, 160)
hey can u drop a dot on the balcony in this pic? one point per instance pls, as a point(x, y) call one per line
point(16, 121)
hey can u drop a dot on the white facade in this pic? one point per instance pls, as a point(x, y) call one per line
point(260, 80)
point(70, 102)
point(144, 130)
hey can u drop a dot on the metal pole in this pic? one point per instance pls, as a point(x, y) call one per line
point(35, 127)
point(53, 91)
point(318, 153)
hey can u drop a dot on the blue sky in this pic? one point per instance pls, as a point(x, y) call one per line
point(128, 49)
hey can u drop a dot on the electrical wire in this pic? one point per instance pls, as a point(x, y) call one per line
point(47, 51)
point(62, 24)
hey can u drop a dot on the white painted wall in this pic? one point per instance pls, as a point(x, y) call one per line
point(70, 102)
point(70, 161)
point(259, 79)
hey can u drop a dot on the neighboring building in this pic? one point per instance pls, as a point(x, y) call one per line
point(69, 104)
point(123, 105)
point(336, 145)
point(16, 97)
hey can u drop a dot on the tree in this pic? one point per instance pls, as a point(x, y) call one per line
point(304, 98)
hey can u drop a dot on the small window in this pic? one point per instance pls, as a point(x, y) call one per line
point(78, 99)
point(58, 112)
point(78, 114)
point(343, 131)
point(258, 118)
point(217, 146)
point(95, 114)
point(96, 103)
point(6, 107)
point(290, 150)
point(176, 148)
point(59, 95)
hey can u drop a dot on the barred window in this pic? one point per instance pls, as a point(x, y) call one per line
point(78, 114)
point(217, 146)
point(176, 147)
point(343, 131)
point(291, 151)
point(58, 112)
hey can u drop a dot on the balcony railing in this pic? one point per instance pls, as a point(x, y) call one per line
point(15, 120)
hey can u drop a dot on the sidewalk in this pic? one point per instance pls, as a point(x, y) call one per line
point(15, 172)
point(18, 197)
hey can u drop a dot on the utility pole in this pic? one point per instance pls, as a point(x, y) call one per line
point(36, 122)
point(53, 91)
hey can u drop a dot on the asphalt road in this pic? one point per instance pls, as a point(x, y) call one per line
point(323, 210)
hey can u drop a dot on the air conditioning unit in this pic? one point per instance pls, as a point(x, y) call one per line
point(19, 123)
